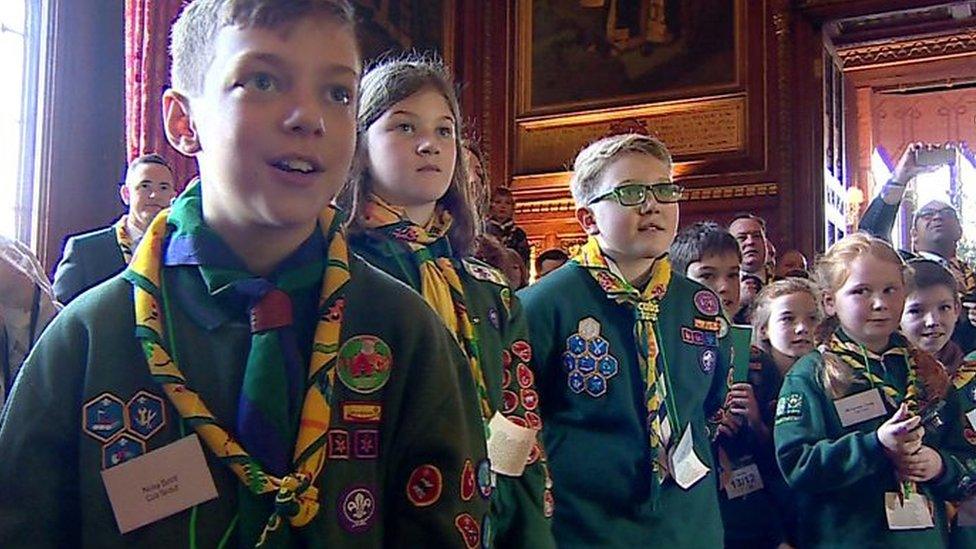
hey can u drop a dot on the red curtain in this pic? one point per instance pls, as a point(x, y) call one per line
point(147, 25)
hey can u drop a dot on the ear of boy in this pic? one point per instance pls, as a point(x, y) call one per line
point(180, 131)
point(587, 221)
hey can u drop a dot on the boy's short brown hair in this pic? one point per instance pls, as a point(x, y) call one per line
point(193, 34)
point(595, 157)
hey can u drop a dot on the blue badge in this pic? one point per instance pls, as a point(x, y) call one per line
point(146, 413)
point(587, 360)
point(121, 449)
point(484, 478)
point(708, 360)
point(493, 318)
point(357, 509)
point(103, 417)
point(486, 532)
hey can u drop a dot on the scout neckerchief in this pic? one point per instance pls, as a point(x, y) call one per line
point(439, 282)
point(646, 307)
point(296, 496)
point(123, 239)
point(858, 358)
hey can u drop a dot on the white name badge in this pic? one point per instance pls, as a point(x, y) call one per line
point(685, 465)
point(509, 446)
point(159, 484)
point(913, 513)
point(744, 481)
point(860, 407)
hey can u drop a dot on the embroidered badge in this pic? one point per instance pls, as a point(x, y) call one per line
point(366, 444)
point(362, 412)
point(121, 449)
point(789, 408)
point(468, 527)
point(510, 401)
point(103, 417)
point(708, 360)
point(468, 483)
point(364, 363)
point(424, 486)
point(484, 478)
point(146, 413)
point(972, 394)
point(969, 435)
point(723, 327)
point(533, 420)
point(357, 509)
point(484, 272)
point(706, 302)
point(506, 296)
point(525, 377)
point(506, 359)
point(530, 399)
point(548, 503)
point(523, 350)
point(494, 318)
point(588, 370)
point(706, 324)
point(698, 337)
point(534, 454)
point(338, 442)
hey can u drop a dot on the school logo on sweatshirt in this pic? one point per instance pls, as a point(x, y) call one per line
point(587, 360)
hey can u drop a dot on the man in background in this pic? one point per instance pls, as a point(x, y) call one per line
point(94, 257)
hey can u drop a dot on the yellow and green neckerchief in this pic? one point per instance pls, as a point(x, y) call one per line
point(440, 285)
point(297, 498)
point(123, 239)
point(646, 306)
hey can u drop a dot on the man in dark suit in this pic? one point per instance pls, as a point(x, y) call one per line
point(92, 258)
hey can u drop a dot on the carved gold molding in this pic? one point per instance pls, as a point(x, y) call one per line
point(907, 51)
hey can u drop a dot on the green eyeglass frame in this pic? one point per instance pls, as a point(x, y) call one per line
point(635, 194)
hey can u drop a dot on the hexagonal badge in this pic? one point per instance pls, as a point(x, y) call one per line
point(103, 417)
point(146, 413)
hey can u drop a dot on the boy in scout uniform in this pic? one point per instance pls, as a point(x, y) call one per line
point(247, 380)
point(629, 364)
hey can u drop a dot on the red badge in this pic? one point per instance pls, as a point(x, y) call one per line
point(533, 419)
point(468, 483)
point(506, 358)
point(518, 421)
point(338, 444)
point(525, 377)
point(509, 402)
point(523, 350)
point(534, 455)
point(425, 485)
point(470, 531)
point(530, 399)
point(506, 377)
point(548, 504)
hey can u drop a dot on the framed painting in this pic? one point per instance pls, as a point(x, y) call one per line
point(392, 26)
point(584, 54)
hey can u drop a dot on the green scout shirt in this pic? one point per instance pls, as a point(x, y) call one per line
point(519, 514)
point(401, 465)
point(596, 435)
point(961, 401)
point(760, 517)
point(839, 475)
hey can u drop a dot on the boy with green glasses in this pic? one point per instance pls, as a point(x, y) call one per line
point(631, 366)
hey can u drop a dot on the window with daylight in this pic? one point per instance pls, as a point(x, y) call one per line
point(19, 47)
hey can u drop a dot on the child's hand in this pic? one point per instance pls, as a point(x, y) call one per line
point(900, 435)
point(922, 466)
point(730, 425)
point(742, 402)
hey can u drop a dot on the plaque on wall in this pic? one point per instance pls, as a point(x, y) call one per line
point(689, 129)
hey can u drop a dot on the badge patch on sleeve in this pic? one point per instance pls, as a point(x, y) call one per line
point(469, 529)
point(706, 302)
point(103, 417)
point(366, 444)
point(789, 408)
point(425, 485)
point(708, 360)
point(587, 360)
point(468, 483)
point(146, 413)
point(357, 509)
point(364, 363)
